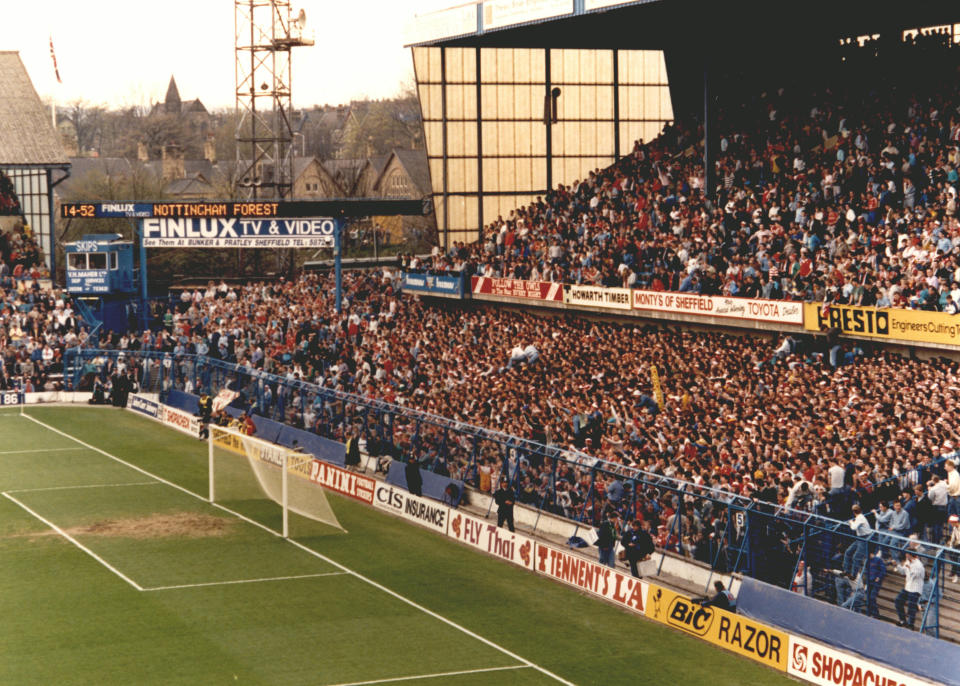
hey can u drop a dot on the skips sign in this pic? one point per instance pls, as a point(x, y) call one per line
point(234, 232)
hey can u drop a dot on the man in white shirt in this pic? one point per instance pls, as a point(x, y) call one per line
point(856, 553)
point(937, 492)
point(835, 474)
point(912, 569)
point(953, 488)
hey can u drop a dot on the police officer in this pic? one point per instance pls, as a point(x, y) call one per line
point(607, 539)
point(505, 499)
point(637, 544)
point(205, 412)
point(352, 455)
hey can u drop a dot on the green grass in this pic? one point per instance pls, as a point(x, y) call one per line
point(69, 620)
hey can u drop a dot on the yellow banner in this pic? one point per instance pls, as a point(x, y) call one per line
point(906, 325)
point(655, 382)
point(725, 629)
point(297, 463)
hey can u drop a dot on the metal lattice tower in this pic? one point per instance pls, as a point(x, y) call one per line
point(265, 33)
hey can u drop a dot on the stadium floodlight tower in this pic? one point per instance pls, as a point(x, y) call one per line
point(265, 33)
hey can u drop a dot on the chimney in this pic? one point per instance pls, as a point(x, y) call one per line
point(210, 149)
point(172, 163)
point(142, 154)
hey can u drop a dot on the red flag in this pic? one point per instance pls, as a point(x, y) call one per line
point(53, 56)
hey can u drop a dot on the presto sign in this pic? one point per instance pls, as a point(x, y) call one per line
point(233, 232)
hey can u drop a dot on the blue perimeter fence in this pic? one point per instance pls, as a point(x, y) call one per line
point(733, 533)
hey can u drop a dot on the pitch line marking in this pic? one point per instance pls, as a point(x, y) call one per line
point(71, 488)
point(34, 450)
point(310, 551)
point(75, 542)
point(244, 581)
point(433, 676)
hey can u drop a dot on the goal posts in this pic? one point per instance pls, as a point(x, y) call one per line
point(268, 483)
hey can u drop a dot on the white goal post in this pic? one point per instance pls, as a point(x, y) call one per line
point(245, 469)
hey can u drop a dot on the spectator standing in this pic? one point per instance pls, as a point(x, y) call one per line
point(413, 476)
point(505, 499)
point(900, 521)
point(606, 541)
point(953, 488)
point(802, 580)
point(856, 552)
point(937, 492)
point(875, 572)
point(907, 599)
point(637, 544)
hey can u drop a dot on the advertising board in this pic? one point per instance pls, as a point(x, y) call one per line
point(234, 232)
point(814, 662)
point(776, 311)
point(592, 577)
point(183, 422)
point(598, 296)
point(437, 284)
point(516, 288)
point(88, 280)
point(728, 630)
point(919, 326)
point(429, 513)
point(340, 480)
point(489, 538)
point(143, 405)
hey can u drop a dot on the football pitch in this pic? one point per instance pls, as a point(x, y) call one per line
point(116, 570)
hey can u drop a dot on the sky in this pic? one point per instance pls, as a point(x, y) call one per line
point(119, 53)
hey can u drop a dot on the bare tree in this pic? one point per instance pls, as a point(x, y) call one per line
point(86, 120)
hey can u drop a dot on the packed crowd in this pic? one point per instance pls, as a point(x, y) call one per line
point(775, 422)
point(847, 196)
point(37, 322)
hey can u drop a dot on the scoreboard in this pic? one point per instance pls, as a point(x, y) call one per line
point(247, 209)
point(11, 397)
point(135, 210)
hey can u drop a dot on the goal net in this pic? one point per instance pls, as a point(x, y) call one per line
point(267, 483)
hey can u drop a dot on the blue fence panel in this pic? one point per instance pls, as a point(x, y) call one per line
point(434, 485)
point(901, 648)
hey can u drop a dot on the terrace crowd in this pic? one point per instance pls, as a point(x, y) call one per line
point(37, 321)
point(746, 416)
point(847, 196)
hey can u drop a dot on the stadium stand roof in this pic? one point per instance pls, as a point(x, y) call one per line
point(652, 24)
point(26, 134)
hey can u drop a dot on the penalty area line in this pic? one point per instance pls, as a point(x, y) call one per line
point(320, 556)
point(36, 450)
point(77, 543)
point(81, 486)
point(417, 677)
point(243, 581)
